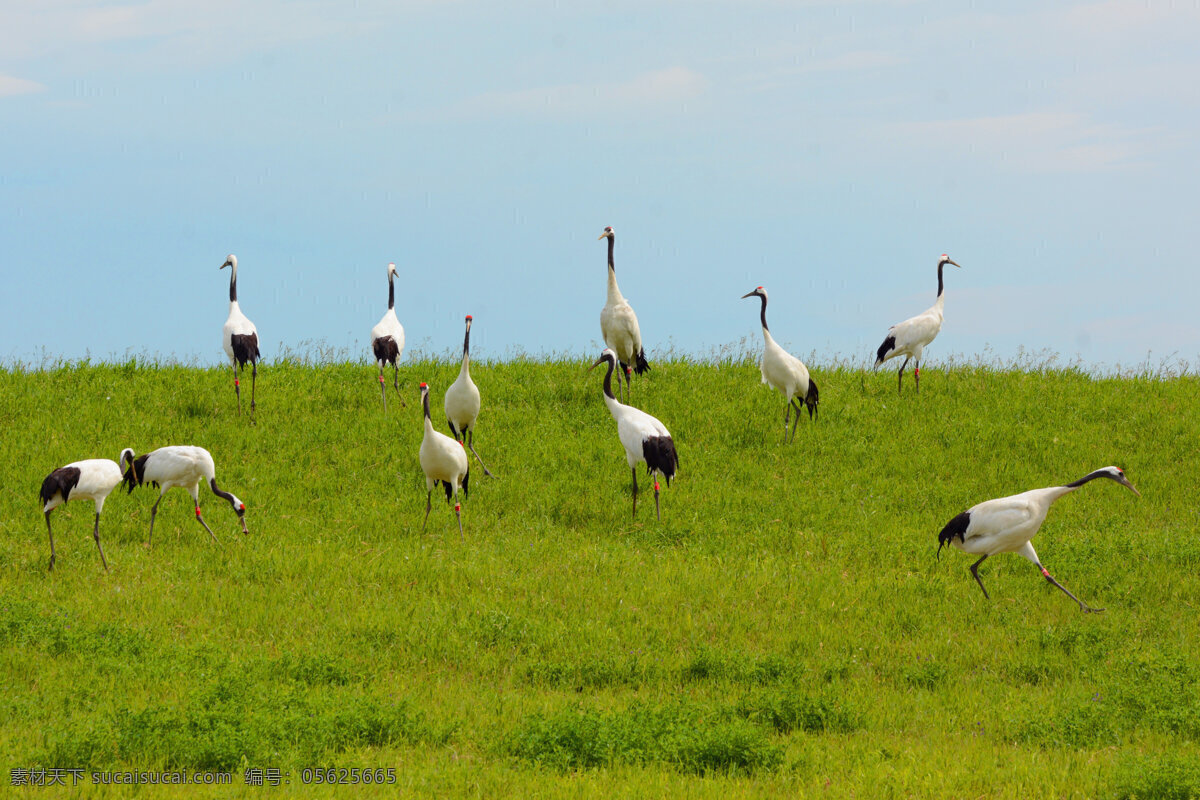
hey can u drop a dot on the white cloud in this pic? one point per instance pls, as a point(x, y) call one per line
point(672, 85)
point(1032, 142)
point(10, 86)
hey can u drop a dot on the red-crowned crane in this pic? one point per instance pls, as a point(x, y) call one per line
point(462, 402)
point(619, 324)
point(92, 479)
point(1006, 525)
point(180, 465)
point(239, 338)
point(443, 460)
point(644, 438)
point(910, 337)
point(387, 340)
point(783, 371)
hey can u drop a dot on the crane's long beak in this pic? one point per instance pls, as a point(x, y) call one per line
point(598, 360)
point(1125, 482)
point(601, 236)
point(955, 263)
point(749, 294)
point(223, 266)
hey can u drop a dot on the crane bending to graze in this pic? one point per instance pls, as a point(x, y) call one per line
point(783, 371)
point(909, 338)
point(387, 340)
point(462, 402)
point(443, 460)
point(1006, 524)
point(185, 466)
point(239, 338)
point(644, 438)
point(619, 324)
point(92, 479)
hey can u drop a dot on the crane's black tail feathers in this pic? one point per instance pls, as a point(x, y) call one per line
point(660, 455)
point(465, 486)
point(136, 474)
point(63, 479)
point(955, 527)
point(889, 344)
point(640, 363)
point(811, 399)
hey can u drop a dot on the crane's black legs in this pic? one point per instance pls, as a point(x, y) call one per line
point(900, 379)
point(153, 512)
point(428, 505)
point(395, 382)
point(458, 513)
point(1082, 606)
point(628, 383)
point(237, 386)
point(787, 417)
point(383, 387)
point(634, 470)
point(49, 531)
point(96, 536)
point(253, 384)
point(470, 440)
point(975, 572)
point(657, 511)
point(917, 374)
point(200, 519)
point(795, 401)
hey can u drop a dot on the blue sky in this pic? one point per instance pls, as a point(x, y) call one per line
point(829, 151)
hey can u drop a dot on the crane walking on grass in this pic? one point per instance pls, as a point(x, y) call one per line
point(443, 460)
point(1006, 525)
point(92, 479)
point(644, 438)
point(783, 371)
point(462, 402)
point(239, 338)
point(619, 325)
point(909, 338)
point(185, 466)
point(387, 340)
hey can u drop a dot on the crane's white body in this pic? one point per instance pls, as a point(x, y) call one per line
point(97, 478)
point(1006, 525)
point(442, 460)
point(91, 479)
point(389, 326)
point(183, 466)
point(236, 324)
point(387, 340)
point(784, 372)
point(645, 439)
point(910, 337)
point(619, 324)
point(462, 401)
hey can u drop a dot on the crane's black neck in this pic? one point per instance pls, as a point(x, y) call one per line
point(425, 402)
point(391, 291)
point(226, 496)
point(608, 375)
point(764, 311)
point(233, 285)
point(1091, 476)
point(467, 341)
point(941, 266)
point(611, 241)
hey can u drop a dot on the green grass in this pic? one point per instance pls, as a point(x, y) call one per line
point(786, 629)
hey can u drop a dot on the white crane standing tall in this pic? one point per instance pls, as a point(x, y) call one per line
point(619, 324)
point(1006, 524)
point(783, 371)
point(387, 340)
point(239, 338)
point(185, 466)
point(644, 438)
point(443, 460)
point(910, 337)
point(92, 479)
point(462, 402)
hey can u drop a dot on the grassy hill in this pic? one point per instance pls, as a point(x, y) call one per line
point(786, 629)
